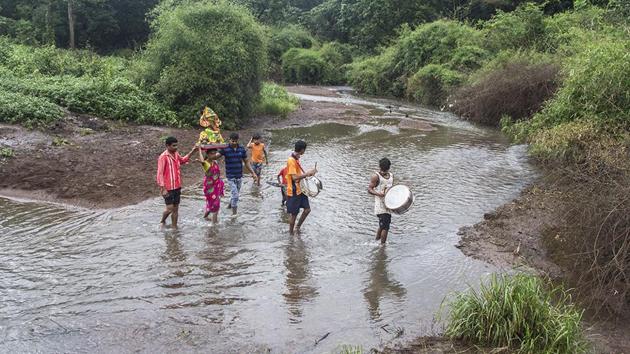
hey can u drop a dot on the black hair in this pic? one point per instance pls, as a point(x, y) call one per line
point(170, 140)
point(234, 136)
point(385, 164)
point(210, 151)
point(300, 146)
point(256, 136)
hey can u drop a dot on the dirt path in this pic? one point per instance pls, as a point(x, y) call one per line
point(95, 163)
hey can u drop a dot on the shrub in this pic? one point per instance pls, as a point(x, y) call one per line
point(375, 75)
point(521, 28)
point(117, 98)
point(305, 66)
point(517, 88)
point(519, 313)
point(285, 38)
point(431, 43)
point(275, 100)
point(468, 58)
point(432, 84)
point(206, 52)
point(28, 110)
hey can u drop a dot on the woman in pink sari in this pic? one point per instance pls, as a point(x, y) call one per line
point(212, 184)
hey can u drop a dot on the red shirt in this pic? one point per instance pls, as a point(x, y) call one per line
point(168, 171)
point(283, 176)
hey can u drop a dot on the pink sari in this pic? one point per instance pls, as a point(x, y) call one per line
point(213, 188)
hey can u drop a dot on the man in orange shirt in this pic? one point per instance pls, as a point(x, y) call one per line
point(259, 154)
point(296, 199)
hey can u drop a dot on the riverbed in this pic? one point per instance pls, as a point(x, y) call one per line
point(111, 280)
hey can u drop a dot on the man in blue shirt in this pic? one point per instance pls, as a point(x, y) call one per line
point(235, 156)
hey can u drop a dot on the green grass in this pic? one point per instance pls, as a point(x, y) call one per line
point(6, 152)
point(518, 312)
point(275, 100)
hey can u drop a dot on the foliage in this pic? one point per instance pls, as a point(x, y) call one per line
point(206, 52)
point(447, 44)
point(324, 65)
point(517, 312)
point(596, 88)
point(6, 152)
point(514, 85)
point(100, 24)
point(522, 28)
point(45, 79)
point(287, 37)
point(432, 84)
point(275, 100)
point(27, 110)
point(375, 75)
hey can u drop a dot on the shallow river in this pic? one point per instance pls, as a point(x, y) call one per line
point(76, 280)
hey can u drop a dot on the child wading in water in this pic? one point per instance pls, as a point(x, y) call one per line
point(259, 154)
point(212, 184)
point(380, 182)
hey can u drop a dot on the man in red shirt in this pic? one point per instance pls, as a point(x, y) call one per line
point(169, 179)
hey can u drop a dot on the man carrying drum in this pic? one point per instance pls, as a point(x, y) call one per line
point(380, 182)
point(297, 200)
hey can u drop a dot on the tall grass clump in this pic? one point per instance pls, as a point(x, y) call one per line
point(518, 312)
point(275, 100)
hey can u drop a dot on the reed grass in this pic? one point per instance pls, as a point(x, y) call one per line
point(518, 312)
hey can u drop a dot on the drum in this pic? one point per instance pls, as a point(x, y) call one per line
point(398, 199)
point(311, 186)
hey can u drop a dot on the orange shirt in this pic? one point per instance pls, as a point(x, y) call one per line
point(258, 153)
point(293, 168)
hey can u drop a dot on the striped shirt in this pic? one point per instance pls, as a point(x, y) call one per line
point(168, 171)
point(234, 161)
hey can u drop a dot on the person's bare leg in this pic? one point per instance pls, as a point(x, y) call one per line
point(205, 216)
point(384, 236)
point(378, 233)
point(233, 210)
point(302, 218)
point(215, 217)
point(292, 223)
point(175, 215)
point(166, 213)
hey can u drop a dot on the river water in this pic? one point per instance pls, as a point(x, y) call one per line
point(76, 280)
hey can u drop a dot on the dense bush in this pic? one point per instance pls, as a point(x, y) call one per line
point(305, 66)
point(375, 75)
point(522, 28)
point(516, 87)
point(432, 84)
point(596, 88)
point(79, 81)
point(517, 312)
point(27, 110)
point(431, 43)
point(285, 38)
point(117, 98)
point(206, 52)
point(275, 100)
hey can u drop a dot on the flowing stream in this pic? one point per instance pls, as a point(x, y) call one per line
point(76, 280)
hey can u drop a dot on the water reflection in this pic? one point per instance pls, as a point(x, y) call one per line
point(299, 287)
point(173, 252)
point(380, 285)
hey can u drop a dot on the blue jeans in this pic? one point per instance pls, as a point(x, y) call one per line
point(235, 189)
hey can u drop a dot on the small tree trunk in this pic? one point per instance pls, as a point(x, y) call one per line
point(71, 24)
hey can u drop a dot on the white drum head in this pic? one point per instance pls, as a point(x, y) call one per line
point(397, 196)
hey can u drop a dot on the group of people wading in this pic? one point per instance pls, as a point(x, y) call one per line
point(235, 157)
